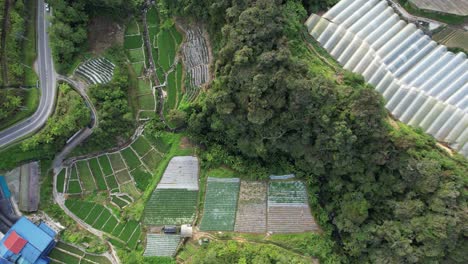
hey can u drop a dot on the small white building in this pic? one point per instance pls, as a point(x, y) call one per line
point(186, 231)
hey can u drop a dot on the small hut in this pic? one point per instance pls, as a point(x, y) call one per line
point(186, 231)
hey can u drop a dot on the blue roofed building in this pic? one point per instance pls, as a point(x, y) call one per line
point(27, 243)
point(4, 188)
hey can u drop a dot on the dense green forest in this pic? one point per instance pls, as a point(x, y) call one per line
point(390, 194)
point(70, 24)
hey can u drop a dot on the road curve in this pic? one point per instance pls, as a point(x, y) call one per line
point(47, 85)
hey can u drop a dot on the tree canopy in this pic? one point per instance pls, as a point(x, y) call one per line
point(390, 193)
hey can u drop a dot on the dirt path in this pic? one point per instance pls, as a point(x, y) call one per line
point(5, 26)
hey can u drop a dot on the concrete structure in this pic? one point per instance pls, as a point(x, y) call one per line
point(27, 243)
point(186, 231)
point(29, 187)
point(423, 84)
point(454, 7)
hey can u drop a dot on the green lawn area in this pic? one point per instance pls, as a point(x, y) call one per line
point(85, 175)
point(60, 181)
point(130, 158)
point(98, 176)
point(146, 102)
point(147, 114)
point(138, 67)
point(141, 146)
point(144, 87)
point(136, 55)
point(171, 100)
point(152, 17)
point(132, 28)
point(105, 165)
point(133, 42)
point(116, 161)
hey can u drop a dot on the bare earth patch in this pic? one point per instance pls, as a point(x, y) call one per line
point(103, 33)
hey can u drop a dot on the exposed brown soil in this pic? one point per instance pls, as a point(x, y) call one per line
point(103, 33)
point(185, 143)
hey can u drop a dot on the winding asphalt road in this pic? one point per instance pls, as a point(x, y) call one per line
point(48, 83)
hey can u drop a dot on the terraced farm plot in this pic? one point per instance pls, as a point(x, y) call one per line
point(116, 161)
point(287, 192)
point(171, 207)
point(220, 204)
point(133, 42)
point(454, 38)
point(105, 165)
point(59, 256)
point(142, 177)
point(252, 209)
point(130, 188)
point(73, 174)
point(74, 187)
point(97, 173)
point(123, 177)
point(141, 146)
point(132, 28)
point(136, 55)
point(161, 245)
point(131, 159)
point(166, 49)
point(101, 218)
point(111, 182)
point(85, 175)
point(288, 209)
point(119, 202)
point(152, 159)
point(290, 219)
point(96, 71)
point(61, 181)
point(181, 173)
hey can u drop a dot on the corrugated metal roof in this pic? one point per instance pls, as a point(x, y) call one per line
point(33, 234)
point(47, 229)
point(15, 243)
point(4, 187)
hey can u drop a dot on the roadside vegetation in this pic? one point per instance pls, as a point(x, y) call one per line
point(17, 56)
point(71, 115)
